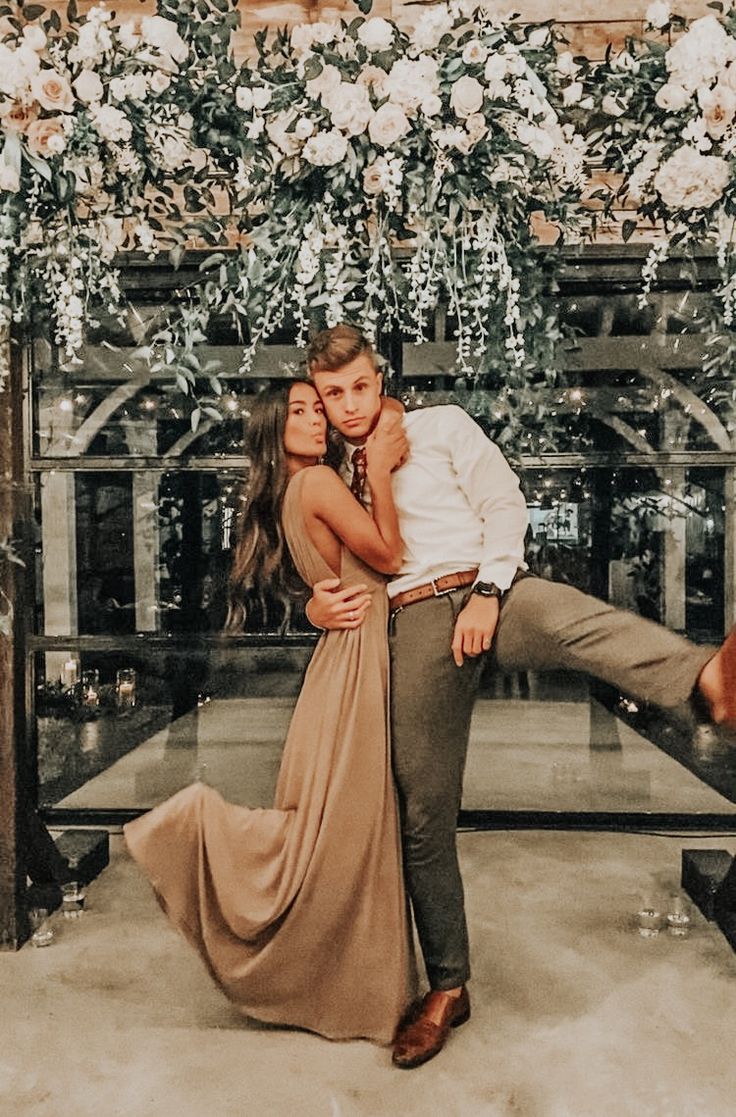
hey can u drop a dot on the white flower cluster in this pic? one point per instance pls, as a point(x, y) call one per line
point(406, 132)
point(85, 129)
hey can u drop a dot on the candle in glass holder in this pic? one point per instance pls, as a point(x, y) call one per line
point(70, 673)
point(125, 688)
point(91, 688)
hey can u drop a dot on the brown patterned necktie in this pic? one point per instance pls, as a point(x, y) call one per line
point(357, 485)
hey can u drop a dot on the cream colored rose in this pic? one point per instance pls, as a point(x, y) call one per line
point(34, 36)
point(388, 124)
point(164, 36)
point(572, 93)
point(17, 117)
point(303, 128)
point(719, 108)
point(671, 97)
point(46, 137)
point(474, 52)
point(476, 126)
point(466, 96)
point(432, 105)
point(689, 180)
point(9, 178)
point(349, 107)
point(325, 149)
point(52, 91)
point(658, 14)
point(373, 77)
point(376, 34)
point(88, 87)
point(159, 81)
point(286, 142)
point(699, 55)
point(325, 82)
point(376, 177)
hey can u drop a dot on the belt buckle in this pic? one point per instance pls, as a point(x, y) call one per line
point(435, 591)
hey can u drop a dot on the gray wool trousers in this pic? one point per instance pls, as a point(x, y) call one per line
point(542, 625)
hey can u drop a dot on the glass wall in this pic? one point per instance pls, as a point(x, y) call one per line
point(137, 688)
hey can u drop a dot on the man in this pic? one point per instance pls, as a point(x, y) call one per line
point(463, 587)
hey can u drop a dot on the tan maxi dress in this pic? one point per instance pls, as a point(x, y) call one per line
point(299, 911)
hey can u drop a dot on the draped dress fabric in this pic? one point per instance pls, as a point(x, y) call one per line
point(299, 911)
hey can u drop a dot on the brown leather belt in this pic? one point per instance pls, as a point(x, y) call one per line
point(434, 588)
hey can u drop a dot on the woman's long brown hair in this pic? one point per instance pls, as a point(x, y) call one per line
point(261, 559)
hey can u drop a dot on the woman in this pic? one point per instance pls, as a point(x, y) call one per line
point(299, 911)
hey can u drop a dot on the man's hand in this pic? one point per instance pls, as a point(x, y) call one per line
point(475, 627)
point(332, 607)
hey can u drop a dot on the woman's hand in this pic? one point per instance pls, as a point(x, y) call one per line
point(331, 607)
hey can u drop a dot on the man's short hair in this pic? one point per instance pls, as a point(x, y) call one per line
point(338, 346)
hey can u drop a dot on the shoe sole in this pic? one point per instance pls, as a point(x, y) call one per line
point(424, 1058)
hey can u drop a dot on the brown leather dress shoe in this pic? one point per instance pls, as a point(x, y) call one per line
point(423, 1035)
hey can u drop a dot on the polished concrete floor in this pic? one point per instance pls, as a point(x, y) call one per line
point(574, 1013)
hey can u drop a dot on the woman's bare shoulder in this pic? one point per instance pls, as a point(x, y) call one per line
point(320, 480)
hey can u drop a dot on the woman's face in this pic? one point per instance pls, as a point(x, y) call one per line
point(305, 432)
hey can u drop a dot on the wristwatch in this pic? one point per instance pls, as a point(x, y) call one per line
point(487, 589)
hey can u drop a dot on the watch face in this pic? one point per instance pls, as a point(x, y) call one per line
point(487, 589)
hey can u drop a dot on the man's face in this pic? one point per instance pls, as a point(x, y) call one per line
point(351, 396)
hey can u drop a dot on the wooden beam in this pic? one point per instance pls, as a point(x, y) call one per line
point(13, 786)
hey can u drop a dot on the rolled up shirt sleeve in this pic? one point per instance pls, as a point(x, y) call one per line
point(492, 489)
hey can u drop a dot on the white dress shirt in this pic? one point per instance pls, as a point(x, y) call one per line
point(458, 500)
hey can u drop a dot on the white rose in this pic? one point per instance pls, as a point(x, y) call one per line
point(431, 105)
point(303, 128)
point(466, 96)
point(261, 97)
point(305, 35)
point(52, 91)
point(431, 26)
point(671, 97)
point(163, 35)
point(34, 36)
point(88, 87)
point(719, 109)
point(325, 149)
point(538, 140)
point(700, 54)
point(28, 59)
point(244, 98)
point(387, 125)
point(612, 107)
point(572, 94)
point(658, 14)
point(9, 178)
point(376, 34)
point(476, 126)
point(349, 107)
point(474, 52)
point(128, 36)
point(410, 82)
point(688, 180)
point(325, 82)
point(159, 81)
point(496, 68)
point(566, 64)
point(285, 141)
point(538, 37)
point(112, 124)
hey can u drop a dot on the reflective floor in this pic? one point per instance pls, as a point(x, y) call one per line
point(535, 753)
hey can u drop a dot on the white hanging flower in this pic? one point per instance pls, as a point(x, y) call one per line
point(672, 97)
point(111, 123)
